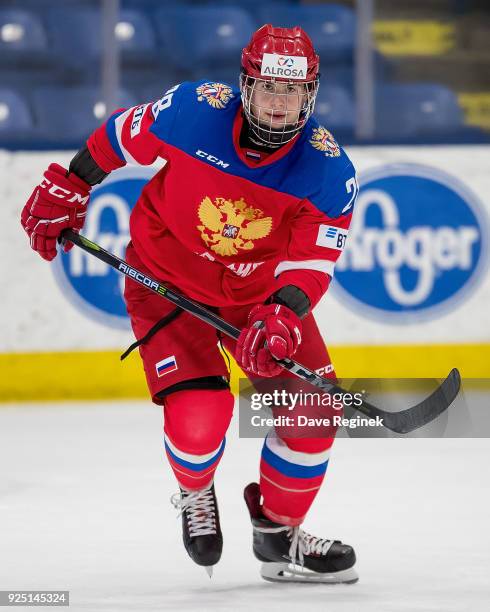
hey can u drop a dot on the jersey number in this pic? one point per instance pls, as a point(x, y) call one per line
point(351, 186)
point(164, 103)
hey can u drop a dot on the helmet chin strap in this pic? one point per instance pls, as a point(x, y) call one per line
point(266, 137)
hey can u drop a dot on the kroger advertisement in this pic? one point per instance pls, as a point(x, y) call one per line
point(417, 244)
point(414, 270)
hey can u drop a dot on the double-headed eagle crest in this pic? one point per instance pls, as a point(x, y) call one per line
point(322, 140)
point(231, 225)
point(216, 95)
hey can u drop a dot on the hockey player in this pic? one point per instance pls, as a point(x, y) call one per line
point(248, 216)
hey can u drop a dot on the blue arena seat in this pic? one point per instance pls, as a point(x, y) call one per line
point(152, 92)
point(248, 5)
point(68, 115)
point(331, 27)
point(416, 109)
point(76, 33)
point(44, 4)
point(148, 85)
point(136, 36)
point(223, 74)
point(15, 116)
point(339, 76)
point(195, 37)
point(146, 4)
point(24, 79)
point(335, 108)
point(22, 37)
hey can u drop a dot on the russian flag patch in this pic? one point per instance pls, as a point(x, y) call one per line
point(165, 366)
point(253, 155)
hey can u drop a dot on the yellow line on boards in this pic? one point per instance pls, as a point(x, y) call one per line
point(95, 375)
point(411, 361)
point(59, 376)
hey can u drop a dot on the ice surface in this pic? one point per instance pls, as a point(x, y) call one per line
point(84, 492)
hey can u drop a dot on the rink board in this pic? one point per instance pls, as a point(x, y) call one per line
point(101, 375)
point(52, 349)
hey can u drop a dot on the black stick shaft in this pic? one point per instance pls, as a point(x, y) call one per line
point(402, 422)
point(150, 283)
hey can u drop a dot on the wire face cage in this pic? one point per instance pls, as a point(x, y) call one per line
point(277, 110)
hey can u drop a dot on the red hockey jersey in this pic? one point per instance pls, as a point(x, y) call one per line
point(219, 225)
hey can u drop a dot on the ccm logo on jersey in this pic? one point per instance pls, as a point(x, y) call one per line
point(290, 66)
point(211, 158)
point(331, 237)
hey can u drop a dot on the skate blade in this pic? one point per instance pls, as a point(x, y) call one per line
point(209, 570)
point(284, 572)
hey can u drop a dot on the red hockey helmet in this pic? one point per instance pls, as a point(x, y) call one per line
point(279, 82)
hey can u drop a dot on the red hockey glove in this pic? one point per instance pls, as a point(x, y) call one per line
point(273, 332)
point(57, 203)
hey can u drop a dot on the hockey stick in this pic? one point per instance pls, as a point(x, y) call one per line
point(401, 422)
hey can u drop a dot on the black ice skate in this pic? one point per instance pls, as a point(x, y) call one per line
point(289, 554)
point(201, 530)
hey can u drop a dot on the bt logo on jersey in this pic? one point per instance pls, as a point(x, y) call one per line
point(416, 244)
point(91, 285)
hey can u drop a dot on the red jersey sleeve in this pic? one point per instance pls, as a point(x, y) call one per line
point(135, 135)
point(318, 239)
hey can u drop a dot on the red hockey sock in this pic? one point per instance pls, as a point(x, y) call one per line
point(195, 427)
point(291, 473)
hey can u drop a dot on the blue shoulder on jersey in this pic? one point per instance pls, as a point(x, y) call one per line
point(198, 117)
point(328, 175)
point(186, 111)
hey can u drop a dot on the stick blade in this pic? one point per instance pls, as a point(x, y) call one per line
point(428, 409)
